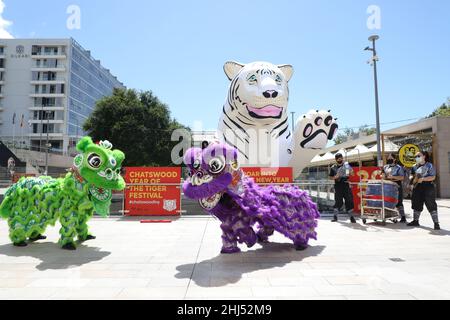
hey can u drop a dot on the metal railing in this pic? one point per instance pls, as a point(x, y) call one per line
point(28, 147)
point(321, 192)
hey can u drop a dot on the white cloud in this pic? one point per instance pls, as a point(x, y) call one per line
point(4, 24)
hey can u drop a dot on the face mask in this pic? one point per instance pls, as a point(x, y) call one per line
point(419, 160)
point(390, 161)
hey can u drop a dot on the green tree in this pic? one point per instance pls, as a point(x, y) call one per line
point(137, 123)
point(348, 133)
point(443, 110)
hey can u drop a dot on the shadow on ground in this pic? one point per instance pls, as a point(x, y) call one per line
point(440, 233)
point(395, 227)
point(358, 226)
point(52, 257)
point(231, 268)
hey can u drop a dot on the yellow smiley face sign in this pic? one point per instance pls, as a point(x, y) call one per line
point(407, 155)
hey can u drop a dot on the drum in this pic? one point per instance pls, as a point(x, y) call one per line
point(374, 194)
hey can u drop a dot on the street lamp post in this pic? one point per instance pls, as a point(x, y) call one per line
point(42, 127)
point(374, 60)
point(47, 145)
point(293, 121)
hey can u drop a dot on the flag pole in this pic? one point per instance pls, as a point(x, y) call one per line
point(14, 130)
point(21, 130)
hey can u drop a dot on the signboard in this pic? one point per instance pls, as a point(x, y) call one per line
point(407, 155)
point(152, 191)
point(18, 176)
point(363, 174)
point(270, 175)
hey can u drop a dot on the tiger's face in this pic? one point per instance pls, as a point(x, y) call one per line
point(259, 91)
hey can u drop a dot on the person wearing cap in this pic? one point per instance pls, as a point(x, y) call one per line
point(340, 173)
point(423, 176)
point(394, 172)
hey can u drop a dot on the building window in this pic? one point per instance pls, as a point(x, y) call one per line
point(51, 128)
point(449, 162)
point(51, 50)
point(36, 51)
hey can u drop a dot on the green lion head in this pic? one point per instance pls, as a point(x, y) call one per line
point(99, 165)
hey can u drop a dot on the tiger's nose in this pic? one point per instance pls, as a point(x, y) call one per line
point(270, 94)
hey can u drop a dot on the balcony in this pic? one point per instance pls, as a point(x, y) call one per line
point(57, 80)
point(45, 121)
point(59, 68)
point(46, 108)
point(49, 55)
point(47, 95)
point(50, 134)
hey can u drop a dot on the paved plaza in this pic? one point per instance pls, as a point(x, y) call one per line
point(181, 260)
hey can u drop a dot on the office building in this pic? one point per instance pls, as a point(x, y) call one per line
point(48, 88)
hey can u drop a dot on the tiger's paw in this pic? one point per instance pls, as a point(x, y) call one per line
point(315, 129)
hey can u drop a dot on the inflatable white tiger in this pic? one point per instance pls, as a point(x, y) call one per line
point(255, 119)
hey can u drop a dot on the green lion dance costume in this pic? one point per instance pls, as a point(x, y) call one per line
point(34, 203)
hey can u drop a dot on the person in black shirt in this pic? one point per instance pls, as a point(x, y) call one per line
point(392, 171)
point(340, 173)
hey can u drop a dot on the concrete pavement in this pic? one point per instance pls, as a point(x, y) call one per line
point(181, 260)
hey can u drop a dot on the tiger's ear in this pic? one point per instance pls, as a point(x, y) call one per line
point(288, 71)
point(232, 69)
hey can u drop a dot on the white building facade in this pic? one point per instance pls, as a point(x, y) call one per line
point(48, 88)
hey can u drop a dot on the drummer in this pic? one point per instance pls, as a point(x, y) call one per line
point(423, 176)
point(392, 171)
point(340, 173)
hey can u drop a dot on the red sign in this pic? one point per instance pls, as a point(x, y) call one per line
point(153, 191)
point(18, 176)
point(270, 175)
point(362, 175)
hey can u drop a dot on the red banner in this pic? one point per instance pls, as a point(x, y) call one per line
point(270, 175)
point(18, 176)
point(150, 191)
point(362, 175)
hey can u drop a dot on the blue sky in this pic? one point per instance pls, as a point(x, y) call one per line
point(177, 50)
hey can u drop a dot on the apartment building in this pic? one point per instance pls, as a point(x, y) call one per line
point(48, 88)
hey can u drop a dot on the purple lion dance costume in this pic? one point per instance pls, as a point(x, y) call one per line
point(249, 213)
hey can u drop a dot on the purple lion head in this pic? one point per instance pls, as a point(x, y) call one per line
point(211, 172)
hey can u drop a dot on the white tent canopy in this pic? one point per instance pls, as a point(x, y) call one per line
point(389, 146)
point(359, 149)
point(358, 153)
